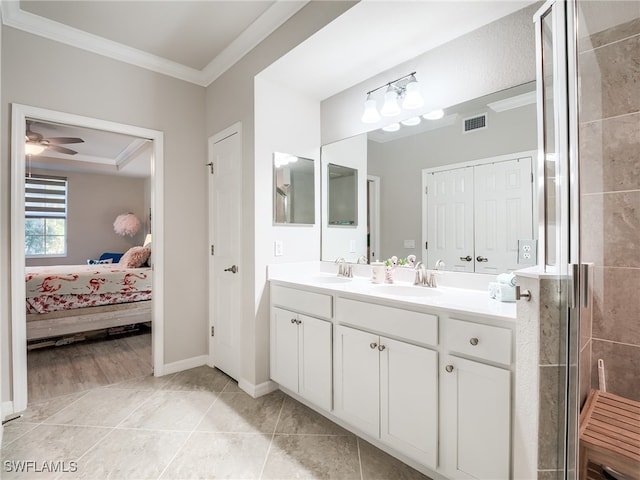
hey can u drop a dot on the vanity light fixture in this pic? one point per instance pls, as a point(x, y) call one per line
point(434, 115)
point(405, 89)
point(282, 159)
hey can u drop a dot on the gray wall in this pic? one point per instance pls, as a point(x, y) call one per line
point(399, 163)
point(71, 80)
point(230, 99)
point(93, 203)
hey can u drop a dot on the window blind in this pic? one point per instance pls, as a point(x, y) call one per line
point(45, 197)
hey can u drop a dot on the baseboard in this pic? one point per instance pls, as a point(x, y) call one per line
point(185, 364)
point(7, 409)
point(257, 390)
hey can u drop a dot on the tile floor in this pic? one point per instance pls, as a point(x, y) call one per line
point(195, 424)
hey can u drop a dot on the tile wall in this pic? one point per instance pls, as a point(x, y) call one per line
point(609, 71)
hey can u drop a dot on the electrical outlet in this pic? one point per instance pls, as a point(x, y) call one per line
point(278, 249)
point(527, 252)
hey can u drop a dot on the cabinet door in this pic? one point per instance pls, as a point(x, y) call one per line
point(409, 400)
point(357, 369)
point(449, 229)
point(503, 213)
point(476, 405)
point(315, 365)
point(284, 348)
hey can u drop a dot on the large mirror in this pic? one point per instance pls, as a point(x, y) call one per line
point(393, 166)
point(294, 191)
point(342, 196)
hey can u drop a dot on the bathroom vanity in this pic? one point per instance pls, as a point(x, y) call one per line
point(427, 374)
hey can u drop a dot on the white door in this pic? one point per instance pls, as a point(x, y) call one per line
point(315, 365)
point(409, 400)
point(357, 385)
point(503, 213)
point(449, 222)
point(477, 419)
point(225, 270)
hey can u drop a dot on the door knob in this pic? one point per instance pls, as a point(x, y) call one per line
point(468, 258)
point(482, 259)
point(232, 269)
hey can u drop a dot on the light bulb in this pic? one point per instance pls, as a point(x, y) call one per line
point(413, 97)
point(33, 149)
point(370, 114)
point(390, 107)
point(434, 115)
point(411, 122)
point(392, 127)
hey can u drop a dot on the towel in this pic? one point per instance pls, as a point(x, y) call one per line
point(507, 279)
point(493, 287)
point(505, 293)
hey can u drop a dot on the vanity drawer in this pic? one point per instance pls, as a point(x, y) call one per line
point(483, 341)
point(302, 301)
point(390, 321)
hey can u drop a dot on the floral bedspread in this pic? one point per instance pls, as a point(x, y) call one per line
point(54, 303)
point(86, 279)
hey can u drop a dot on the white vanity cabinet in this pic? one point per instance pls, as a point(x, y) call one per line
point(301, 345)
point(384, 386)
point(476, 400)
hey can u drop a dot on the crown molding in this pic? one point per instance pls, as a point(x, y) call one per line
point(276, 15)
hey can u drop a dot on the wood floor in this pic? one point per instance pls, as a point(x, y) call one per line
point(56, 371)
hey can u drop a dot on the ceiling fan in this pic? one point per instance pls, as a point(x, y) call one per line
point(35, 143)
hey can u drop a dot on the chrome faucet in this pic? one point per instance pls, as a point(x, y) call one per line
point(424, 277)
point(362, 260)
point(341, 266)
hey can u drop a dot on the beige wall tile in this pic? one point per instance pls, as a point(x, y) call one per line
point(609, 154)
point(612, 34)
point(610, 80)
point(550, 441)
point(621, 366)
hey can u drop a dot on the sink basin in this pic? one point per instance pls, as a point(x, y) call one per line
point(330, 279)
point(404, 291)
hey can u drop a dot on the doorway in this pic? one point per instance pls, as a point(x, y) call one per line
point(20, 115)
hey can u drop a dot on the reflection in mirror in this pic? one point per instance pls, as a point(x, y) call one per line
point(396, 161)
point(343, 195)
point(293, 196)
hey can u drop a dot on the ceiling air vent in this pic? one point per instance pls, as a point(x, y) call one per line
point(475, 123)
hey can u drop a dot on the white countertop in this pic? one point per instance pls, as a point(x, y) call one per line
point(466, 300)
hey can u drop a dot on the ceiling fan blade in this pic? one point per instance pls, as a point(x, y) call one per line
point(33, 136)
point(57, 148)
point(64, 140)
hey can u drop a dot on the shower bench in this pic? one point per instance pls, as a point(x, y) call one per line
point(610, 434)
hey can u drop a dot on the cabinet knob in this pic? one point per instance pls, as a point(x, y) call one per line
point(381, 347)
point(473, 341)
point(482, 259)
point(293, 320)
point(298, 322)
point(468, 258)
point(373, 345)
point(449, 368)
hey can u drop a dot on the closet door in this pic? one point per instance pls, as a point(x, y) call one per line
point(450, 219)
point(503, 213)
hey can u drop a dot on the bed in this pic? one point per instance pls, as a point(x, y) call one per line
point(68, 299)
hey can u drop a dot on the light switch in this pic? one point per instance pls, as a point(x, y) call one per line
point(278, 249)
point(409, 244)
point(352, 246)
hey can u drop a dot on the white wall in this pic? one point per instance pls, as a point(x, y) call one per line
point(399, 164)
point(494, 57)
point(74, 81)
point(230, 99)
point(93, 203)
point(349, 242)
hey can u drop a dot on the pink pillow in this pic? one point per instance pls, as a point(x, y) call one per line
point(135, 257)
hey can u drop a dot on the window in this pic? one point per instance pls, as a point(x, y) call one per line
point(45, 207)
